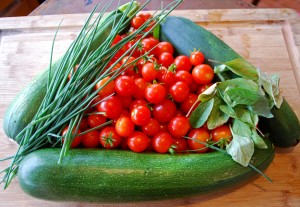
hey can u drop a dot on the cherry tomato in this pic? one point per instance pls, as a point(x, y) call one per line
point(179, 126)
point(76, 140)
point(116, 40)
point(138, 102)
point(124, 126)
point(91, 139)
point(107, 88)
point(221, 132)
point(202, 88)
point(124, 85)
point(189, 103)
point(196, 58)
point(164, 47)
point(138, 141)
point(155, 93)
point(112, 107)
point(149, 72)
point(165, 76)
point(203, 74)
point(128, 63)
point(137, 21)
point(184, 76)
point(140, 87)
point(95, 120)
point(151, 128)
point(182, 62)
point(140, 115)
point(201, 135)
point(145, 16)
point(109, 138)
point(164, 111)
point(179, 91)
point(148, 44)
point(162, 142)
point(126, 101)
point(180, 145)
point(84, 124)
point(165, 59)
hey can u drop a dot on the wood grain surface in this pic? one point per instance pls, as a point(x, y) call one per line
point(269, 38)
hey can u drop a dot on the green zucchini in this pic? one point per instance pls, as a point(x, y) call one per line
point(284, 128)
point(124, 176)
point(25, 105)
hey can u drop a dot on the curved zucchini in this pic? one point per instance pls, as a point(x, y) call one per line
point(284, 128)
point(124, 176)
point(25, 105)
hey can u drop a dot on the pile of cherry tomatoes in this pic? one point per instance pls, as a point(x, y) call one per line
point(150, 102)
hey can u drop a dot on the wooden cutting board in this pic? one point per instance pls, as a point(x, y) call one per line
point(269, 38)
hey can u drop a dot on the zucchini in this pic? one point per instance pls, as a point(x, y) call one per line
point(283, 128)
point(124, 176)
point(25, 105)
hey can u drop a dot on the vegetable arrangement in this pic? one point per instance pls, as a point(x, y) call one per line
point(128, 83)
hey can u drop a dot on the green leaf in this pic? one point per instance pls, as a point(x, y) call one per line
point(236, 96)
point(241, 148)
point(242, 68)
point(241, 128)
point(220, 68)
point(239, 83)
point(270, 84)
point(246, 116)
point(217, 117)
point(228, 110)
point(201, 113)
point(208, 93)
point(258, 140)
point(262, 107)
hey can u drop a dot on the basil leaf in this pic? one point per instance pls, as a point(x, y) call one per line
point(241, 148)
point(262, 107)
point(242, 68)
point(241, 96)
point(270, 84)
point(228, 110)
point(258, 140)
point(201, 113)
point(208, 93)
point(241, 128)
point(217, 117)
point(220, 68)
point(239, 83)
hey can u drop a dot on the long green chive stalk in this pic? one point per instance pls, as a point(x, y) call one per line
point(67, 100)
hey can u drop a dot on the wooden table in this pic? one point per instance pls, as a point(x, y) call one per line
point(50, 7)
point(269, 38)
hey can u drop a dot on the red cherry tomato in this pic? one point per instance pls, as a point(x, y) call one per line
point(189, 104)
point(182, 62)
point(203, 74)
point(164, 47)
point(180, 145)
point(91, 139)
point(165, 76)
point(140, 115)
point(151, 128)
point(164, 111)
point(76, 140)
point(112, 107)
point(148, 45)
point(179, 91)
point(124, 126)
point(201, 135)
point(116, 40)
point(162, 142)
point(124, 85)
point(138, 102)
point(196, 58)
point(140, 87)
point(109, 138)
point(165, 59)
point(155, 93)
point(184, 76)
point(149, 72)
point(95, 120)
point(221, 132)
point(202, 88)
point(179, 126)
point(145, 16)
point(84, 124)
point(137, 21)
point(105, 87)
point(138, 141)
